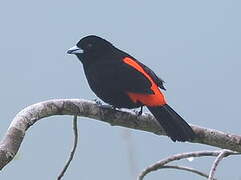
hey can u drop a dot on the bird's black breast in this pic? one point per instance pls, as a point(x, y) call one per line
point(111, 80)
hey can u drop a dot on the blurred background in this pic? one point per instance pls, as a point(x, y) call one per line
point(193, 45)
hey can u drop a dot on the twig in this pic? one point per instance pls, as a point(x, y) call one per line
point(175, 157)
point(187, 169)
point(75, 129)
point(222, 154)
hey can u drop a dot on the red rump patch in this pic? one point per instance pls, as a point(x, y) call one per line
point(156, 99)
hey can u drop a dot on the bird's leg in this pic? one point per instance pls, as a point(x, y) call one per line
point(140, 112)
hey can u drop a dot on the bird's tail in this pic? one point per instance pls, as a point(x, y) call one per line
point(174, 125)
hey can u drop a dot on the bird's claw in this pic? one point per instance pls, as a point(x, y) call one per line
point(98, 102)
point(107, 106)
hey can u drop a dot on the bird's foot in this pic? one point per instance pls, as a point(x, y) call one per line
point(108, 106)
point(98, 102)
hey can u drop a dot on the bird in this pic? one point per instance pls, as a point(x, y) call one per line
point(122, 81)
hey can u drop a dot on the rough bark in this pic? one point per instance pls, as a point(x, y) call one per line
point(14, 136)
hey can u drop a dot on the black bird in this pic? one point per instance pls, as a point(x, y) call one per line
point(123, 82)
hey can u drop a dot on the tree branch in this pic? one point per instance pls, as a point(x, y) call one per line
point(161, 164)
point(186, 169)
point(14, 136)
point(222, 154)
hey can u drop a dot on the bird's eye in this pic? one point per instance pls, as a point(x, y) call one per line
point(89, 45)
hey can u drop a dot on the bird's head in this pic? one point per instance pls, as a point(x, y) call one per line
point(91, 48)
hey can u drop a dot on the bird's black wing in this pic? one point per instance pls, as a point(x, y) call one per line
point(118, 76)
point(133, 81)
point(156, 79)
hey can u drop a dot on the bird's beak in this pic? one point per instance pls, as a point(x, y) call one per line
point(75, 50)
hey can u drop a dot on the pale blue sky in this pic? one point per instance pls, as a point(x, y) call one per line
point(193, 45)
